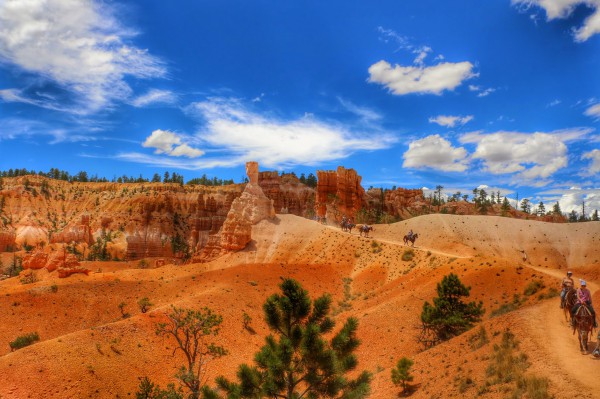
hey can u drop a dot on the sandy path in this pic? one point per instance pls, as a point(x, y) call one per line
point(548, 327)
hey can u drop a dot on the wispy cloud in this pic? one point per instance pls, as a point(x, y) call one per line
point(482, 92)
point(78, 45)
point(593, 111)
point(435, 152)
point(451, 121)
point(364, 113)
point(237, 134)
point(562, 9)
point(154, 96)
point(594, 167)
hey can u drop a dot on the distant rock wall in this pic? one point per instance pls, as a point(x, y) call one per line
point(339, 193)
point(287, 193)
point(7, 240)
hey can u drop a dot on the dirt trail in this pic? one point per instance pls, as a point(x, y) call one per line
point(548, 327)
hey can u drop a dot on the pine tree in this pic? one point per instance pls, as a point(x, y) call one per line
point(401, 374)
point(556, 209)
point(595, 216)
point(449, 316)
point(541, 209)
point(298, 361)
point(525, 205)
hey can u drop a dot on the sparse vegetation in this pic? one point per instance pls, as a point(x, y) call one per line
point(479, 339)
point(144, 304)
point(508, 366)
point(533, 287)
point(408, 255)
point(124, 314)
point(24, 340)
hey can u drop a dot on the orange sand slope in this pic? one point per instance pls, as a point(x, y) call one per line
point(88, 350)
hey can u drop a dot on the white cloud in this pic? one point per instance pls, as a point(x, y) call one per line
point(435, 79)
point(594, 156)
point(573, 198)
point(563, 9)
point(276, 142)
point(154, 96)
point(77, 45)
point(451, 121)
point(553, 103)
point(437, 153)
point(486, 92)
point(167, 142)
point(531, 155)
point(593, 111)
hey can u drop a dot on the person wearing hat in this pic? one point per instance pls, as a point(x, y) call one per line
point(567, 284)
point(584, 297)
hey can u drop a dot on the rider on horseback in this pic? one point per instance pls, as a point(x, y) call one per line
point(410, 234)
point(567, 284)
point(584, 297)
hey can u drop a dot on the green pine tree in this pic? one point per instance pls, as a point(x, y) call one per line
point(449, 316)
point(297, 361)
point(401, 374)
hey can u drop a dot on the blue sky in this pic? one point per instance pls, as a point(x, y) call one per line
point(503, 94)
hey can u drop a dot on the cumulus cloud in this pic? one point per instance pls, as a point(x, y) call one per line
point(435, 79)
point(154, 96)
point(437, 153)
point(169, 143)
point(572, 199)
point(531, 155)
point(563, 9)
point(594, 156)
point(593, 111)
point(78, 46)
point(451, 121)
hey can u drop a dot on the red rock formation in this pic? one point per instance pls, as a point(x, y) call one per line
point(7, 240)
point(36, 260)
point(339, 193)
point(287, 193)
point(79, 233)
point(398, 201)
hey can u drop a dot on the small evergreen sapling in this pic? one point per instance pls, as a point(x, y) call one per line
point(401, 374)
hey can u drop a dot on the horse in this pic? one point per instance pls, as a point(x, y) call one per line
point(570, 300)
point(347, 226)
point(365, 228)
point(583, 323)
point(411, 239)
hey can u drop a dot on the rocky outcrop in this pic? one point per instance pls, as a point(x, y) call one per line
point(247, 210)
point(79, 233)
point(398, 202)
point(36, 260)
point(339, 193)
point(7, 241)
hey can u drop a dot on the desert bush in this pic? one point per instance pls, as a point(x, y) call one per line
point(551, 293)
point(533, 287)
point(143, 264)
point(24, 340)
point(144, 304)
point(149, 390)
point(408, 255)
point(54, 288)
point(479, 339)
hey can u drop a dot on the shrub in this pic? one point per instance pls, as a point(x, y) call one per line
point(552, 293)
point(408, 255)
point(143, 264)
point(478, 339)
point(533, 287)
point(24, 340)
point(144, 304)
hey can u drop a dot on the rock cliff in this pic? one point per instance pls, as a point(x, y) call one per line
point(339, 193)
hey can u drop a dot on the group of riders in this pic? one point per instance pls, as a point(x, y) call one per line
point(347, 225)
point(577, 299)
point(583, 296)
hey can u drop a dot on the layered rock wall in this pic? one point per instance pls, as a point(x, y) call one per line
point(287, 193)
point(339, 193)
